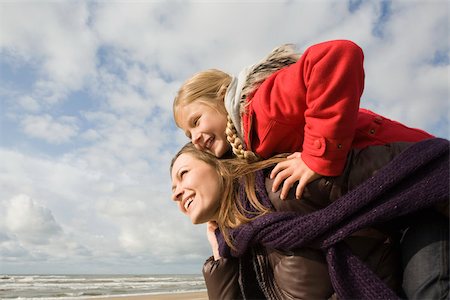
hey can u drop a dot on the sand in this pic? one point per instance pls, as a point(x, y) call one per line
point(180, 296)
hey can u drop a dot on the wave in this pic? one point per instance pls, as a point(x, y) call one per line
point(77, 286)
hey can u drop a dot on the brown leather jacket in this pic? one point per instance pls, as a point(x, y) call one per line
point(303, 273)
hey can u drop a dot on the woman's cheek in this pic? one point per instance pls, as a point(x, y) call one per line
point(180, 207)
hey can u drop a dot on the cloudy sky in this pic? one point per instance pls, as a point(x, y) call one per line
point(86, 130)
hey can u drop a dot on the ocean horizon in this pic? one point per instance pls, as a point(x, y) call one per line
point(57, 286)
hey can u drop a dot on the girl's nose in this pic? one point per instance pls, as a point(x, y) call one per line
point(196, 136)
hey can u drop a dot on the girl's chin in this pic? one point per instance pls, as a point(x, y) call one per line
point(221, 150)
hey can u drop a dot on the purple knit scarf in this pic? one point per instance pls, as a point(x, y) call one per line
point(417, 178)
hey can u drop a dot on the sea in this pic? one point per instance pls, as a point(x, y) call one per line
point(95, 286)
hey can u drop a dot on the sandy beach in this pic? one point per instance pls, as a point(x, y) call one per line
point(178, 296)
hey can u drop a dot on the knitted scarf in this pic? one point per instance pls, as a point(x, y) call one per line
point(416, 179)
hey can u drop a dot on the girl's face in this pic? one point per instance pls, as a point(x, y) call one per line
point(196, 188)
point(205, 126)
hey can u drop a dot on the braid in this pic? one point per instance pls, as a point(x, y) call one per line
point(279, 58)
point(236, 143)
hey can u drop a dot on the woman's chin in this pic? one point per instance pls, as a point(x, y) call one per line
point(197, 221)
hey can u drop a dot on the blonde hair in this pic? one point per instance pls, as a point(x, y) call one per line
point(209, 87)
point(236, 143)
point(232, 172)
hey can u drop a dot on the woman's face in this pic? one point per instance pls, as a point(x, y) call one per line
point(196, 188)
point(205, 126)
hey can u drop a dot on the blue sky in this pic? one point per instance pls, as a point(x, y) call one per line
point(86, 91)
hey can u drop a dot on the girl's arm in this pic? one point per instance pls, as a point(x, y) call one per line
point(332, 77)
point(311, 107)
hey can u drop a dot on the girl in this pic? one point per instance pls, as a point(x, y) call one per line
point(284, 104)
point(282, 250)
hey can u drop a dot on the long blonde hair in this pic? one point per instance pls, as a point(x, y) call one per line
point(209, 87)
point(232, 173)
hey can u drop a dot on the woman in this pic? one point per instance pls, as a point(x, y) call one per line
point(207, 189)
point(308, 105)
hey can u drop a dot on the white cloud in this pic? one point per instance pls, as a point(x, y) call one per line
point(145, 217)
point(47, 128)
point(56, 39)
point(113, 210)
point(129, 101)
point(28, 103)
point(91, 135)
point(401, 80)
point(13, 251)
point(30, 233)
point(109, 191)
point(30, 221)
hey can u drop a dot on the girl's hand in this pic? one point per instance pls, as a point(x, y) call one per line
point(291, 171)
point(211, 227)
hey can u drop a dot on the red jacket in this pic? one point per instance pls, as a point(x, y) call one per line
point(312, 106)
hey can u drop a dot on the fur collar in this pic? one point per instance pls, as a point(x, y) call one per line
point(250, 78)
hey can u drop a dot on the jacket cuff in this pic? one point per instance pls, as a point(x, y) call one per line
point(325, 156)
point(221, 278)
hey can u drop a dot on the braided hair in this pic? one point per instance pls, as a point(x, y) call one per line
point(210, 87)
point(236, 143)
point(279, 58)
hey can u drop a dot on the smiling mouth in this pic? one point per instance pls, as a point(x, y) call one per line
point(208, 143)
point(188, 203)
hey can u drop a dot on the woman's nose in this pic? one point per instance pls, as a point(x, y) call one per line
point(176, 194)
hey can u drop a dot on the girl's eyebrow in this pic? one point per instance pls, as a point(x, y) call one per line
point(192, 116)
point(190, 122)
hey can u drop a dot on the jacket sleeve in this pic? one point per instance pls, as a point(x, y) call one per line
point(334, 78)
point(221, 278)
point(364, 163)
point(319, 96)
point(301, 273)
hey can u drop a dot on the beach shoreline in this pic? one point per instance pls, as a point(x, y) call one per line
point(166, 296)
point(103, 287)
